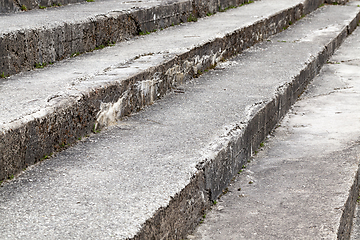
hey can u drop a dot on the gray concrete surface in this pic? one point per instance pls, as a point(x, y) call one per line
point(304, 181)
point(153, 174)
point(44, 110)
point(46, 36)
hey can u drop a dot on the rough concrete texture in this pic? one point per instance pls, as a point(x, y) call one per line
point(7, 6)
point(45, 110)
point(12, 6)
point(355, 231)
point(43, 37)
point(304, 182)
point(153, 174)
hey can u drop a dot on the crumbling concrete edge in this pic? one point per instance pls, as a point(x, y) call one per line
point(346, 221)
point(230, 152)
point(26, 141)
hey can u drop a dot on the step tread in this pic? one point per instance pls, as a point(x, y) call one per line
point(116, 180)
point(307, 170)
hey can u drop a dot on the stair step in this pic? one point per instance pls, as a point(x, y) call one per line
point(305, 179)
point(152, 175)
point(47, 109)
point(42, 37)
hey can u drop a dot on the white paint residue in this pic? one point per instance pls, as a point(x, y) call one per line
point(148, 89)
point(110, 112)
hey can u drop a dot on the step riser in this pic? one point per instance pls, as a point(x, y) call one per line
point(347, 217)
point(24, 144)
point(23, 49)
point(216, 172)
point(8, 6)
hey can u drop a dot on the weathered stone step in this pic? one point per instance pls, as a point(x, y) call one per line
point(153, 174)
point(42, 37)
point(44, 110)
point(304, 183)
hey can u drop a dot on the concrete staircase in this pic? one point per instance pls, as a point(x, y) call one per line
point(136, 140)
